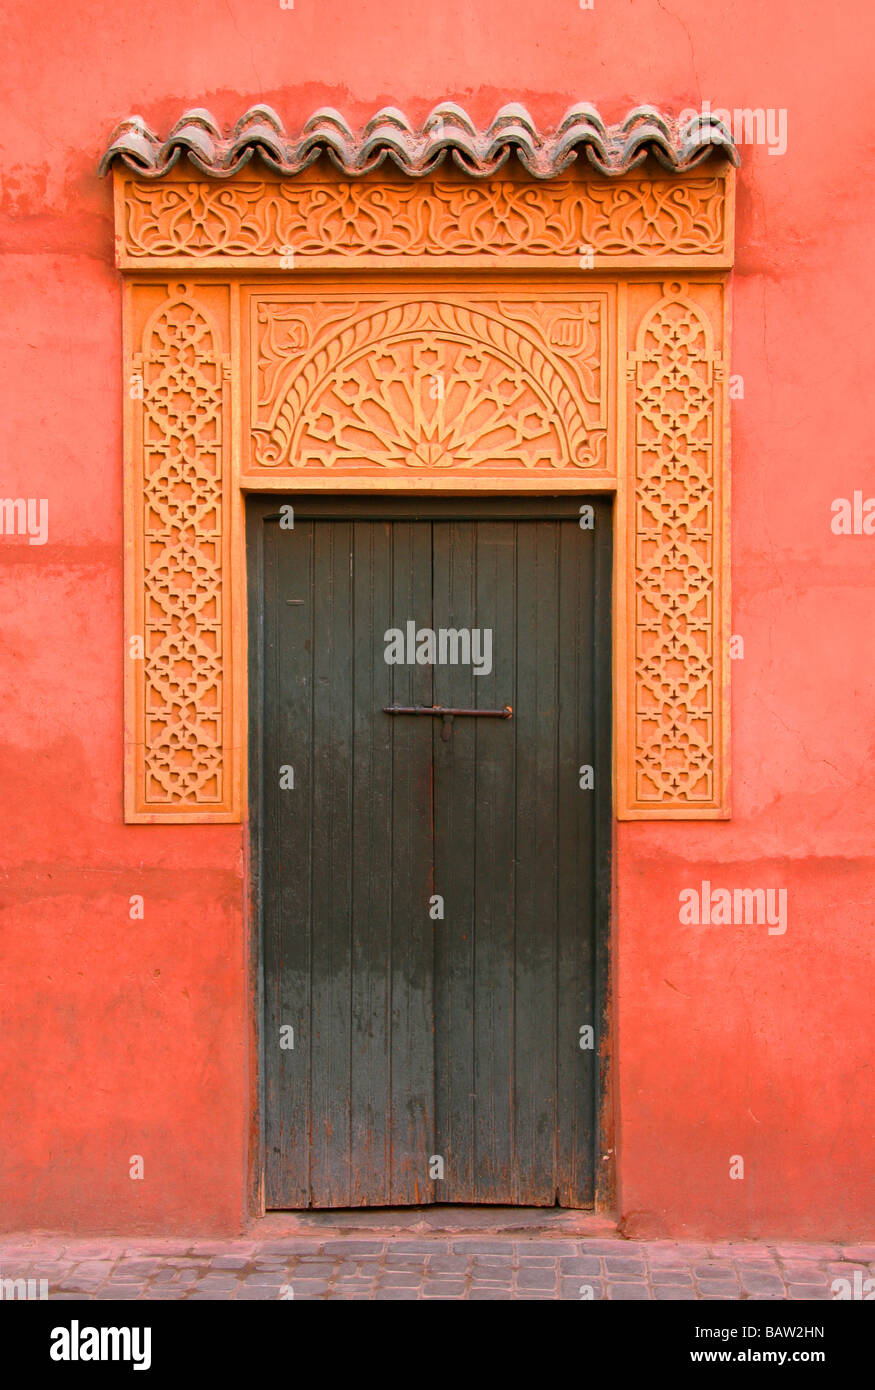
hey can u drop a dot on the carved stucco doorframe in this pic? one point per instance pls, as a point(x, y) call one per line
point(213, 411)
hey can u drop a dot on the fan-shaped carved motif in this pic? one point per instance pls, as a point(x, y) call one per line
point(426, 384)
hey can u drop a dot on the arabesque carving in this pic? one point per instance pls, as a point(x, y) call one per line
point(567, 373)
point(180, 751)
point(430, 384)
point(268, 222)
point(677, 375)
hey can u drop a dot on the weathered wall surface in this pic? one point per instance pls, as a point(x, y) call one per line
point(123, 1037)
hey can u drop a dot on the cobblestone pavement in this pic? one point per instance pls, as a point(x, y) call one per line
point(446, 1266)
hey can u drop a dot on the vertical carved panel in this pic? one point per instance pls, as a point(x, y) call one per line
point(676, 680)
point(181, 716)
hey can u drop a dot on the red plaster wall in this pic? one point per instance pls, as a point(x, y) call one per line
point(125, 1037)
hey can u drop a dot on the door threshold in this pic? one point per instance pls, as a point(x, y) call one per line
point(436, 1220)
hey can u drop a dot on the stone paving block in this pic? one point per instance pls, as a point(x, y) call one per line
point(814, 1292)
point(616, 1264)
point(839, 1269)
point(355, 1247)
point(120, 1293)
point(864, 1253)
point(797, 1273)
point(399, 1279)
point(441, 1289)
point(668, 1277)
point(801, 1251)
point(638, 1292)
point(536, 1279)
point(480, 1247)
point(265, 1292)
point(759, 1268)
point(608, 1247)
point(761, 1283)
point(285, 1248)
point(553, 1248)
point(10, 1253)
point(570, 1288)
point(669, 1253)
point(159, 1249)
point(410, 1295)
point(206, 1249)
point(667, 1293)
point(579, 1265)
point(422, 1247)
point(446, 1264)
point(481, 1295)
point(79, 1250)
point(744, 1250)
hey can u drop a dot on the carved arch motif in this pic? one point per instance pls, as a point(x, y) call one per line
point(425, 384)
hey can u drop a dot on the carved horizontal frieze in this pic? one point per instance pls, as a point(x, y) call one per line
point(583, 223)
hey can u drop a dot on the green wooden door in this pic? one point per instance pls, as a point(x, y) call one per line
point(433, 890)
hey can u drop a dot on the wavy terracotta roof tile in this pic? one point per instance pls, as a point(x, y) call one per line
point(448, 130)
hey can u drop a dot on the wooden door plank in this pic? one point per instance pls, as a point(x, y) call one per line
point(371, 870)
point(411, 961)
point(576, 868)
point(536, 738)
point(494, 1132)
point(287, 903)
point(455, 834)
point(331, 802)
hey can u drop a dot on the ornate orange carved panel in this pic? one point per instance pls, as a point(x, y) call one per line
point(566, 374)
point(179, 723)
point(630, 221)
point(676, 662)
point(431, 382)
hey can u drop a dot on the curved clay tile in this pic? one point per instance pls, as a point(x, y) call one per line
point(448, 130)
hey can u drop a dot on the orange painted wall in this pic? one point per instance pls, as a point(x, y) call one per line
point(121, 1037)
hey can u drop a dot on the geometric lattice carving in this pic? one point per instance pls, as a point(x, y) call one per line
point(624, 221)
point(430, 384)
point(677, 376)
point(181, 704)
